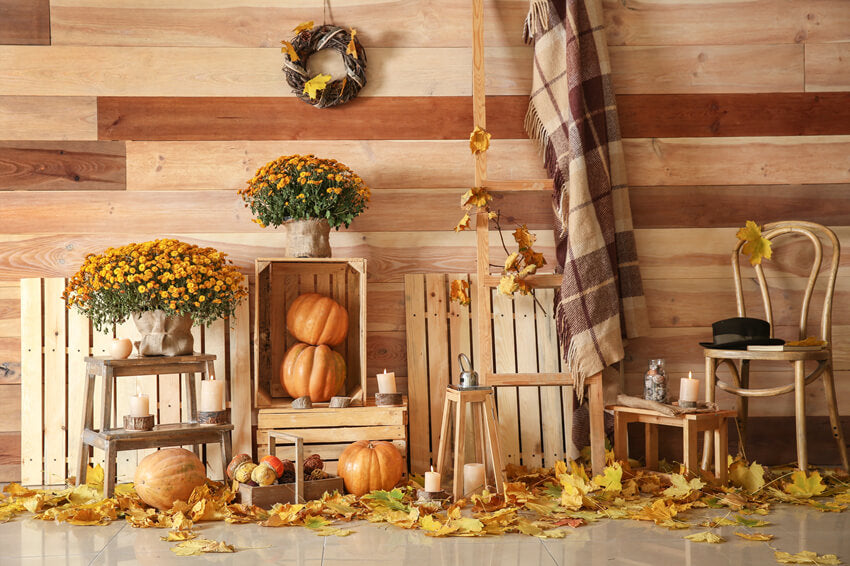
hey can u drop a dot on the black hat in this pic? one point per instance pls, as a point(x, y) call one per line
point(738, 333)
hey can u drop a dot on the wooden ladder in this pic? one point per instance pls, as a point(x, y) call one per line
point(487, 281)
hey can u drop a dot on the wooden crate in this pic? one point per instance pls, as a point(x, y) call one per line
point(279, 282)
point(327, 432)
point(54, 345)
point(267, 496)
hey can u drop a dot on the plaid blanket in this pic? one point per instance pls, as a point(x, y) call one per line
point(573, 115)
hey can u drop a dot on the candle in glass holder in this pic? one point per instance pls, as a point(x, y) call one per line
point(386, 382)
point(688, 391)
point(432, 481)
point(473, 477)
point(139, 405)
point(212, 395)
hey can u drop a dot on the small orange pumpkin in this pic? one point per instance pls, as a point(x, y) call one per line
point(317, 319)
point(369, 465)
point(314, 371)
point(167, 476)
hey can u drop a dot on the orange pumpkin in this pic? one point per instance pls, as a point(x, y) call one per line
point(168, 475)
point(314, 371)
point(316, 319)
point(368, 465)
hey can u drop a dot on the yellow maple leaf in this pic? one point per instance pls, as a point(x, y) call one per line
point(512, 262)
point(460, 291)
point(749, 477)
point(530, 269)
point(805, 557)
point(533, 258)
point(463, 224)
point(351, 48)
point(757, 247)
point(755, 536)
point(508, 285)
point(94, 476)
point(706, 536)
point(174, 536)
point(524, 238)
point(611, 478)
point(479, 141)
point(659, 512)
point(200, 546)
point(803, 486)
point(303, 26)
point(475, 197)
point(314, 85)
point(289, 50)
point(682, 488)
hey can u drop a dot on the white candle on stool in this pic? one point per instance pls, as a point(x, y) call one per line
point(139, 405)
point(212, 395)
point(688, 389)
point(386, 383)
point(473, 477)
point(432, 481)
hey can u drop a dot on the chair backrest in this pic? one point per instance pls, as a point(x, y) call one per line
point(815, 233)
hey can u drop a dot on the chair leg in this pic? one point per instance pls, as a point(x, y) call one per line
point(596, 411)
point(460, 449)
point(834, 417)
point(708, 444)
point(111, 462)
point(569, 398)
point(444, 436)
point(743, 408)
point(226, 449)
point(800, 412)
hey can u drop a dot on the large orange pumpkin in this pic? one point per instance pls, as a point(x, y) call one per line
point(315, 371)
point(168, 475)
point(368, 465)
point(316, 319)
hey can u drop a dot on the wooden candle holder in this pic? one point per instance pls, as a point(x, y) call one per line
point(138, 423)
point(214, 417)
point(388, 399)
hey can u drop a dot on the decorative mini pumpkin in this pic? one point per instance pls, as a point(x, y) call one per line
point(234, 464)
point(314, 371)
point(317, 319)
point(313, 462)
point(244, 471)
point(369, 465)
point(274, 463)
point(263, 474)
point(167, 476)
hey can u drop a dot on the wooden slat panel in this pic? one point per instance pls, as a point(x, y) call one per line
point(62, 166)
point(529, 396)
point(389, 317)
point(352, 416)
point(707, 68)
point(438, 348)
point(714, 115)
point(347, 434)
point(326, 451)
point(405, 23)
point(417, 372)
point(736, 22)
point(548, 360)
point(267, 118)
point(55, 381)
point(10, 407)
point(214, 343)
point(383, 164)
point(772, 160)
point(240, 379)
point(505, 362)
point(78, 348)
point(100, 347)
point(48, 117)
point(32, 441)
point(828, 66)
point(10, 456)
point(124, 388)
point(24, 22)
point(193, 71)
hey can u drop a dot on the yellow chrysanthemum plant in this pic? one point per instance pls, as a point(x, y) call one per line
point(167, 275)
point(300, 187)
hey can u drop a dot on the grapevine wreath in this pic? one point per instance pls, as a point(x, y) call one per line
point(317, 91)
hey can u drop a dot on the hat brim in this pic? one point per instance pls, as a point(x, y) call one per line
point(742, 344)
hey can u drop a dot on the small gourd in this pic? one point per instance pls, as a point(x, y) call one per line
point(234, 464)
point(263, 475)
point(244, 471)
point(274, 463)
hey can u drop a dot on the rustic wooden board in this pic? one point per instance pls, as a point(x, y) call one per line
point(58, 166)
point(717, 115)
point(24, 22)
point(735, 22)
point(347, 434)
point(828, 66)
point(525, 330)
point(55, 379)
point(240, 379)
point(504, 346)
point(325, 416)
point(406, 23)
point(10, 456)
point(79, 346)
point(707, 68)
point(755, 160)
point(10, 407)
point(48, 117)
point(32, 439)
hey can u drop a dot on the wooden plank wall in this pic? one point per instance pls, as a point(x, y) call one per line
point(139, 120)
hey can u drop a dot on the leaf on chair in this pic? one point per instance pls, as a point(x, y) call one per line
point(757, 246)
point(805, 486)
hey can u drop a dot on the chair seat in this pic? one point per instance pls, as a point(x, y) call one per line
point(717, 354)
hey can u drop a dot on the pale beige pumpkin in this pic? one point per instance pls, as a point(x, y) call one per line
point(317, 319)
point(368, 465)
point(314, 371)
point(168, 475)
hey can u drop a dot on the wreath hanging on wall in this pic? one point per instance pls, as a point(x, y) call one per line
point(319, 90)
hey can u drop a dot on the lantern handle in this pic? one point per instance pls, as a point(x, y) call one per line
point(461, 358)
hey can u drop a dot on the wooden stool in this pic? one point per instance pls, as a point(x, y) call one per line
point(111, 441)
point(690, 423)
point(486, 424)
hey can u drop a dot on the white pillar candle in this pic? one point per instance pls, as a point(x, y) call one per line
point(212, 395)
point(139, 405)
point(386, 382)
point(432, 481)
point(473, 477)
point(688, 388)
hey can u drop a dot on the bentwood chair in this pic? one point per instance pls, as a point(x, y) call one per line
point(738, 361)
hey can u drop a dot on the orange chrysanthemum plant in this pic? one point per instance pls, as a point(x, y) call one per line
point(299, 187)
point(167, 275)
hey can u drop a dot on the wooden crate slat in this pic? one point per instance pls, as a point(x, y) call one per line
point(505, 360)
point(529, 396)
point(79, 346)
point(417, 372)
point(32, 439)
point(548, 360)
point(460, 342)
point(356, 340)
point(438, 346)
point(347, 434)
point(318, 417)
point(124, 387)
point(325, 451)
point(214, 343)
point(198, 334)
point(55, 446)
point(240, 379)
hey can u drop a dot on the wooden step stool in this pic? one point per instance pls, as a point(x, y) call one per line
point(486, 434)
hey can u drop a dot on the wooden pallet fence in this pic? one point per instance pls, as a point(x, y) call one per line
point(54, 344)
point(327, 432)
point(524, 340)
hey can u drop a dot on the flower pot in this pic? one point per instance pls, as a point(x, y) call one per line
point(164, 335)
point(308, 238)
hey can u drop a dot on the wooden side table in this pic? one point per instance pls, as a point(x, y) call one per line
point(113, 440)
point(690, 423)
